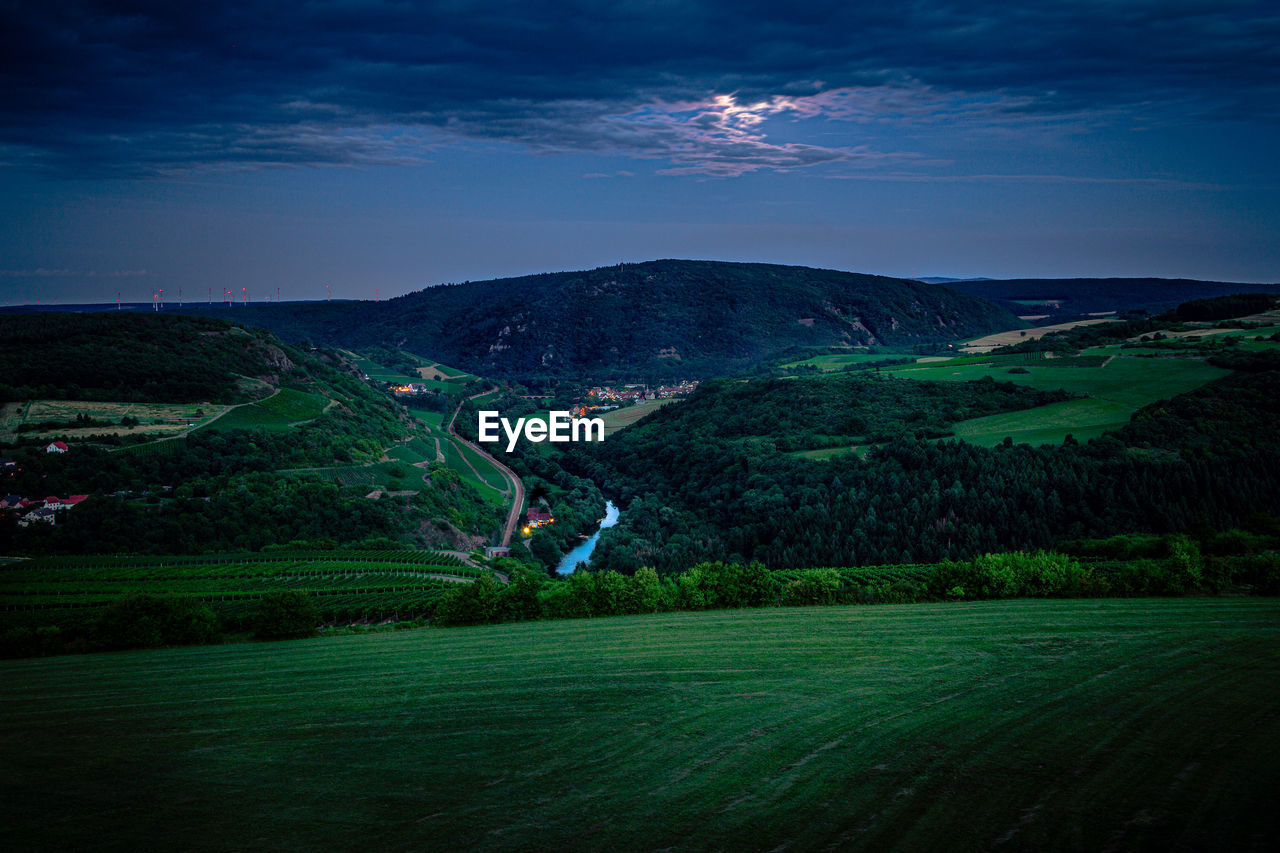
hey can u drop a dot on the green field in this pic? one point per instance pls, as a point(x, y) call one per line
point(1020, 725)
point(626, 416)
point(414, 451)
point(1114, 391)
point(480, 473)
point(277, 412)
point(452, 382)
point(827, 363)
point(456, 455)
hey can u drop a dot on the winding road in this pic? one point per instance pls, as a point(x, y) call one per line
point(517, 503)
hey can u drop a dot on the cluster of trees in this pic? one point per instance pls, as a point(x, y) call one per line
point(529, 596)
point(150, 621)
point(1223, 307)
point(694, 490)
point(1175, 568)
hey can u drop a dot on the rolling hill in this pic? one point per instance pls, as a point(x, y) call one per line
point(1065, 298)
point(653, 320)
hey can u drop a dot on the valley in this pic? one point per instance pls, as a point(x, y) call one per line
point(841, 553)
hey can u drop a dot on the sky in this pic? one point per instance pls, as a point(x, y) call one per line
point(366, 149)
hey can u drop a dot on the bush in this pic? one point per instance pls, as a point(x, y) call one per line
point(285, 616)
point(814, 586)
point(148, 621)
point(1010, 575)
point(469, 603)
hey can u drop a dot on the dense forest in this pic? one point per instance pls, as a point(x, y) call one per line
point(132, 358)
point(696, 487)
point(656, 320)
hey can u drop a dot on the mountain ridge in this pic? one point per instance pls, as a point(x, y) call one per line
point(655, 320)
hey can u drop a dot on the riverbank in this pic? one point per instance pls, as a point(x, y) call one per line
point(581, 553)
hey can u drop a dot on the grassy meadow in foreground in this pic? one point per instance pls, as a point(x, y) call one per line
point(1139, 724)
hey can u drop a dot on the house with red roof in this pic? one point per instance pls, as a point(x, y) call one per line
point(56, 447)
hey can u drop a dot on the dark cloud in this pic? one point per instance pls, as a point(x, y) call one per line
point(156, 86)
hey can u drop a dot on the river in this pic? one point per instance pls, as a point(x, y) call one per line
point(582, 552)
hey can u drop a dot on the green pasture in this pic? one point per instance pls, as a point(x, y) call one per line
point(484, 469)
point(453, 381)
point(1114, 391)
point(837, 361)
point(1083, 419)
point(456, 455)
point(626, 416)
point(1015, 725)
point(278, 412)
point(377, 371)
point(414, 451)
point(452, 372)
point(471, 466)
point(435, 421)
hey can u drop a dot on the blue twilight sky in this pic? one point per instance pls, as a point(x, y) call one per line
point(387, 146)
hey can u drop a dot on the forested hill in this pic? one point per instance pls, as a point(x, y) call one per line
point(657, 319)
point(135, 358)
point(1064, 298)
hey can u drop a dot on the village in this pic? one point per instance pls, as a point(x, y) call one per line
point(31, 510)
point(606, 398)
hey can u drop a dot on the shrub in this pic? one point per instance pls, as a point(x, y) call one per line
point(148, 621)
point(285, 615)
point(814, 586)
point(469, 603)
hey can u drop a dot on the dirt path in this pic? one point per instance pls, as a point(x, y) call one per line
point(186, 432)
point(517, 504)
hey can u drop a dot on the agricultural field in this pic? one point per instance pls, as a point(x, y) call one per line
point(448, 372)
point(282, 410)
point(471, 466)
point(837, 361)
point(154, 419)
point(345, 584)
point(432, 374)
point(377, 372)
point(1020, 725)
point(1114, 388)
point(433, 419)
point(392, 475)
point(475, 470)
point(414, 452)
point(1004, 339)
point(625, 417)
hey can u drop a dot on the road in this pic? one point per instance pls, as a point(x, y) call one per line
point(517, 503)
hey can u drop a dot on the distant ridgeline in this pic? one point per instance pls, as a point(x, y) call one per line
point(656, 320)
point(1065, 298)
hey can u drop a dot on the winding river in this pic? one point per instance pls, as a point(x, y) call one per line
point(582, 552)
